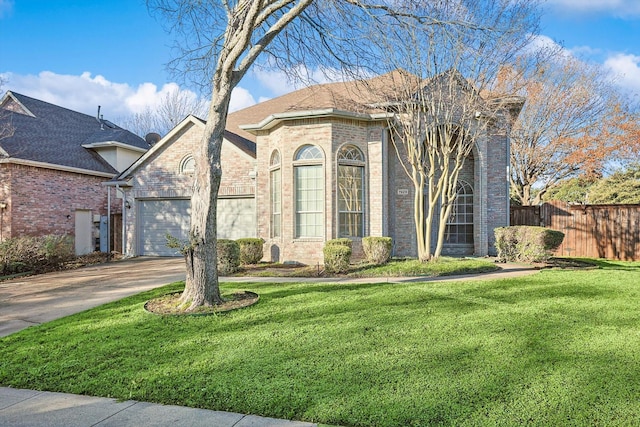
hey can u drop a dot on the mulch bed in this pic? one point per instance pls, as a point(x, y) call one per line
point(170, 304)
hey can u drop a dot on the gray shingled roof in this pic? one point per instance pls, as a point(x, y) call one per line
point(56, 135)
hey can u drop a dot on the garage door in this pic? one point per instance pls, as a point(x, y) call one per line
point(236, 219)
point(159, 218)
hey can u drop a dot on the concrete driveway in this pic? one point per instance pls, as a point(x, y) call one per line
point(33, 300)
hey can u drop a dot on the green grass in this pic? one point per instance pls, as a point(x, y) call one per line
point(394, 268)
point(556, 348)
point(411, 267)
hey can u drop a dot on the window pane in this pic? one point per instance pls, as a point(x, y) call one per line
point(460, 225)
point(351, 153)
point(309, 152)
point(276, 199)
point(309, 201)
point(350, 200)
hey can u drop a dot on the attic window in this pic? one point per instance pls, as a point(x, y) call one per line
point(188, 165)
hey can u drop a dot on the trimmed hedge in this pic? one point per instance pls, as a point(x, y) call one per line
point(250, 250)
point(228, 253)
point(377, 250)
point(337, 255)
point(37, 254)
point(343, 241)
point(526, 243)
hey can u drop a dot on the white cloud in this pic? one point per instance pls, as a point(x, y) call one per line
point(626, 68)
point(240, 98)
point(6, 7)
point(85, 92)
point(620, 8)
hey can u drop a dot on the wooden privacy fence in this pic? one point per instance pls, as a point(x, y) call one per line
point(595, 231)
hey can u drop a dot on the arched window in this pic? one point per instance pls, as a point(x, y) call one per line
point(350, 192)
point(309, 192)
point(275, 179)
point(187, 165)
point(460, 224)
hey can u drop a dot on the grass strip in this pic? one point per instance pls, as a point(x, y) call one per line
point(555, 348)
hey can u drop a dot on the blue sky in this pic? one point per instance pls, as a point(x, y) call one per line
point(81, 54)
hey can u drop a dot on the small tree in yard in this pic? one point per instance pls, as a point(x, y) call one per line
point(439, 106)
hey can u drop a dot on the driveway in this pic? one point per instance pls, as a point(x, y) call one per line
point(33, 300)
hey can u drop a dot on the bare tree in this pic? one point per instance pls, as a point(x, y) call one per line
point(574, 122)
point(440, 103)
point(174, 106)
point(6, 127)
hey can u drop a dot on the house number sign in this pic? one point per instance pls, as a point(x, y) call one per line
point(403, 192)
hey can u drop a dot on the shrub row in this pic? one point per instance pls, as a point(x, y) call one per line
point(233, 253)
point(337, 252)
point(526, 243)
point(35, 254)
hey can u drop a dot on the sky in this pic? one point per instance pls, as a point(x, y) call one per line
point(83, 53)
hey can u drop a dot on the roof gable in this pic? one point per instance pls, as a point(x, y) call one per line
point(48, 134)
point(248, 148)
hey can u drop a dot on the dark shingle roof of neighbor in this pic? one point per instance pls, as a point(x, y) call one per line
point(56, 135)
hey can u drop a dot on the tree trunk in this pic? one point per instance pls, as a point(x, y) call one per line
point(201, 287)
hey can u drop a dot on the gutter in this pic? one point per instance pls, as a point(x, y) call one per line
point(57, 167)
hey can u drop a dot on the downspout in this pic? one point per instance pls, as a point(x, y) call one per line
point(124, 218)
point(109, 220)
point(508, 183)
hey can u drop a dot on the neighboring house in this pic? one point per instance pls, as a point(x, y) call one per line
point(324, 167)
point(159, 185)
point(52, 168)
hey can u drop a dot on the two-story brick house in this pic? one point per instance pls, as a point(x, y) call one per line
point(324, 167)
point(53, 163)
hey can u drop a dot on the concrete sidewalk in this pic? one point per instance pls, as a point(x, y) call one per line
point(33, 300)
point(28, 408)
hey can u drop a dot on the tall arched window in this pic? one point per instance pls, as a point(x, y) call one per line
point(309, 192)
point(275, 182)
point(350, 192)
point(460, 224)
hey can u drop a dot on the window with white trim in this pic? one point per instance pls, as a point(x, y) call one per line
point(275, 179)
point(309, 192)
point(350, 192)
point(188, 165)
point(460, 225)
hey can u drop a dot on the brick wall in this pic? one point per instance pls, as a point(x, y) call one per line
point(160, 175)
point(389, 191)
point(44, 201)
point(329, 135)
point(5, 197)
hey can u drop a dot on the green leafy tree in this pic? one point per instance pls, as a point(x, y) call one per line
point(622, 187)
point(571, 190)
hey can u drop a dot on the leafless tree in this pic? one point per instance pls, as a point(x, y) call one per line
point(6, 127)
point(174, 106)
point(574, 122)
point(440, 104)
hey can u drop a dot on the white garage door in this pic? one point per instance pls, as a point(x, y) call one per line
point(236, 219)
point(159, 218)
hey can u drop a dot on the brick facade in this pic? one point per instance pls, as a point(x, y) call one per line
point(388, 189)
point(160, 174)
point(43, 201)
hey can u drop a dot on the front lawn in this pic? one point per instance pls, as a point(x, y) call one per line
point(556, 348)
point(394, 268)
